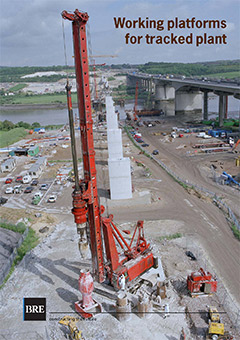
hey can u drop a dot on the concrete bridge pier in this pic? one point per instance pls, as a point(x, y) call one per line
point(222, 106)
point(164, 92)
point(164, 99)
point(188, 101)
point(205, 105)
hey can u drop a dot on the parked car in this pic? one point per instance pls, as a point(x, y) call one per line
point(3, 200)
point(155, 152)
point(52, 199)
point(9, 190)
point(36, 200)
point(145, 145)
point(19, 179)
point(44, 186)
point(34, 182)
point(8, 181)
point(27, 179)
point(139, 140)
point(17, 189)
point(28, 190)
point(38, 194)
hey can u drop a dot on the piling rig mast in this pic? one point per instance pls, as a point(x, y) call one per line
point(132, 261)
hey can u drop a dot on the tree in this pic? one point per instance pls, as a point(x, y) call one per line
point(23, 124)
point(35, 125)
point(7, 125)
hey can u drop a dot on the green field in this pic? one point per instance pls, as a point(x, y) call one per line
point(222, 68)
point(36, 99)
point(17, 87)
point(12, 136)
point(226, 75)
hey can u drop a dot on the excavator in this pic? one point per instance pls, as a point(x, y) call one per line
point(121, 258)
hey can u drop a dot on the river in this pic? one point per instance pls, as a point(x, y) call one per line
point(60, 116)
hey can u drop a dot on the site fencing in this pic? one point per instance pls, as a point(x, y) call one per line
point(7, 266)
point(219, 203)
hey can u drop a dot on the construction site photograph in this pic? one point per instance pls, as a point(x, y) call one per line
point(120, 170)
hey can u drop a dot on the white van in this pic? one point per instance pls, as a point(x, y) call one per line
point(26, 179)
point(201, 134)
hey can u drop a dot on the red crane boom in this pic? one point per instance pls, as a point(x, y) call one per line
point(85, 200)
point(131, 261)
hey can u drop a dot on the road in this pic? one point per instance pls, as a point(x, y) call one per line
point(224, 86)
point(188, 167)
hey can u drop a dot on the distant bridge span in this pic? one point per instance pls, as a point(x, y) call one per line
point(187, 93)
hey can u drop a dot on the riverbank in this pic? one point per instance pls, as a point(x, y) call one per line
point(12, 136)
point(22, 107)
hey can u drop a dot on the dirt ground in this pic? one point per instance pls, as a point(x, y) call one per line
point(52, 268)
point(191, 164)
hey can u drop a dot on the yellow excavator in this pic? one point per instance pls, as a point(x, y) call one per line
point(70, 322)
point(216, 327)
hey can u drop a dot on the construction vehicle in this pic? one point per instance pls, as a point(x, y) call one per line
point(215, 330)
point(94, 229)
point(229, 179)
point(201, 282)
point(70, 322)
point(216, 327)
point(213, 314)
point(236, 145)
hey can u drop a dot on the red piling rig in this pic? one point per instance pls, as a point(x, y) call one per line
point(131, 261)
point(85, 200)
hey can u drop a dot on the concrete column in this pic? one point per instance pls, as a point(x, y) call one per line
point(112, 119)
point(123, 307)
point(161, 290)
point(226, 106)
point(148, 85)
point(144, 307)
point(119, 167)
point(164, 92)
point(205, 105)
point(120, 178)
point(221, 109)
point(188, 102)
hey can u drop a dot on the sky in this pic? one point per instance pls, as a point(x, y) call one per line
point(31, 31)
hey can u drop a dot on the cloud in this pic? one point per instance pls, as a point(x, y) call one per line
point(31, 31)
point(230, 27)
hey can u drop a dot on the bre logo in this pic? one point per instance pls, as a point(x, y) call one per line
point(34, 309)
